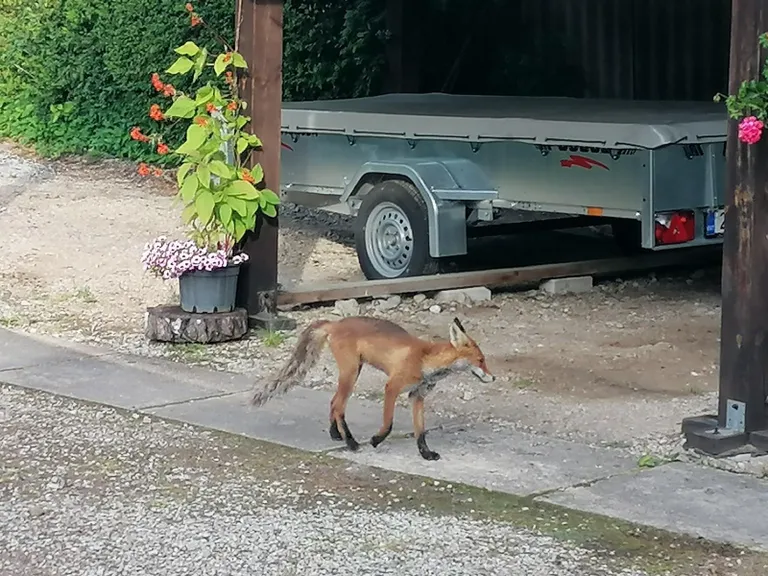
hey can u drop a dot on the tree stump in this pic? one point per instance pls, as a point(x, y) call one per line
point(172, 324)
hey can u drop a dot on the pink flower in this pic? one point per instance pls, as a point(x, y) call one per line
point(750, 130)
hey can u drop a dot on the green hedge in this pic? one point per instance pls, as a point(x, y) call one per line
point(75, 74)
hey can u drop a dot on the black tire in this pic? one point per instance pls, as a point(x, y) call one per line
point(407, 198)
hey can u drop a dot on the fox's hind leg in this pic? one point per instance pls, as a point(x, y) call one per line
point(418, 429)
point(349, 370)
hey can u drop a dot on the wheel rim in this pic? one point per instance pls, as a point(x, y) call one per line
point(388, 239)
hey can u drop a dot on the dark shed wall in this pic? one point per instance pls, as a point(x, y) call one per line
point(641, 49)
point(644, 49)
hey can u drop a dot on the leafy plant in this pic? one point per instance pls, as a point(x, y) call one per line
point(219, 194)
point(170, 259)
point(96, 55)
point(750, 103)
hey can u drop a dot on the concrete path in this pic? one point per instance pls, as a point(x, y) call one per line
point(679, 497)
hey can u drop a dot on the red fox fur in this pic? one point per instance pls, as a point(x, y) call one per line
point(410, 363)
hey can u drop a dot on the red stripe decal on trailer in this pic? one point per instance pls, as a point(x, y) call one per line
point(581, 162)
point(284, 145)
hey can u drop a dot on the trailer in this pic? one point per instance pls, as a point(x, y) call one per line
point(418, 172)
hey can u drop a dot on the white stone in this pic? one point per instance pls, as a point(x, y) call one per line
point(346, 307)
point(435, 309)
point(389, 304)
point(473, 294)
point(575, 284)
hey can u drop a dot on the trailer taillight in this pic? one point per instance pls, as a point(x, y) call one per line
point(675, 227)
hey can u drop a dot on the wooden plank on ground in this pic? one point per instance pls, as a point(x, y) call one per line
point(500, 278)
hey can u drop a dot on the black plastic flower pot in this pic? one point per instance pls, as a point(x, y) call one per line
point(203, 291)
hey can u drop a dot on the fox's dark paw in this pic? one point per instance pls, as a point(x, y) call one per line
point(353, 444)
point(429, 455)
point(334, 432)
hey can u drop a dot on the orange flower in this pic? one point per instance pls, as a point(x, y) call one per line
point(232, 106)
point(247, 177)
point(227, 56)
point(158, 172)
point(163, 149)
point(137, 135)
point(210, 107)
point(189, 7)
point(157, 83)
point(155, 113)
point(169, 90)
point(143, 169)
point(200, 121)
point(195, 20)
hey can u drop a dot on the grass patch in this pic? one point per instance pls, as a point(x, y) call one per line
point(271, 338)
point(192, 352)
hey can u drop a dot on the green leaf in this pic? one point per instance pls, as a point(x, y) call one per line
point(225, 214)
point(187, 49)
point(270, 210)
point(196, 135)
point(188, 214)
point(189, 188)
point(269, 196)
point(254, 140)
point(220, 169)
point(238, 60)
point(204, 175)
point(219, 65)
point(238, 205)
point(240, 230)
point(204, 95)
point(242, 144)
point(182, 172)
point(182, 107)
point(181, 66)
point(242, 189)
point(257, 173)
point(200, 61)
point(204, 204)
point(241, 121)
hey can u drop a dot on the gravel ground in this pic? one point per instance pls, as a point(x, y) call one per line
point(89, 490)
point(618, 366)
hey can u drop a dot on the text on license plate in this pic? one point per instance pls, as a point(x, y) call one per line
point(715, 222)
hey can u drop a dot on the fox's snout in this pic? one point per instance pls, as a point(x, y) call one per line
point(483, 374)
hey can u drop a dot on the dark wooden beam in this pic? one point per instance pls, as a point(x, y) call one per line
point(500, 278)
point(260, 40)
point(744, 328)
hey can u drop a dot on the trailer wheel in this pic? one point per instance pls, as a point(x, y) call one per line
point(392, 234)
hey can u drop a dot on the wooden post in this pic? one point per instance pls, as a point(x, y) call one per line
point(259, 37)
point(742, 416)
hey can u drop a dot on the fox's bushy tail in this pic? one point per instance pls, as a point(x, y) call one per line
point(311, 343)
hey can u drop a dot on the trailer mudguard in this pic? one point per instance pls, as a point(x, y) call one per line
point(446, 185)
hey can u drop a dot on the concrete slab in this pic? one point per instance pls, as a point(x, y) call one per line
point(506, 461)
point(683, 498)
point(17, 351)
point(110, 381)
point(299, 419)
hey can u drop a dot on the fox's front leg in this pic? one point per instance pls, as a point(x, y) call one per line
point(418, 429)
point(390, 398)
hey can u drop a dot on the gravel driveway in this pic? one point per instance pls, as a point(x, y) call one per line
point(86, 489)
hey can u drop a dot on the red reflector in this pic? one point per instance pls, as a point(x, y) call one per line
point(675, 227)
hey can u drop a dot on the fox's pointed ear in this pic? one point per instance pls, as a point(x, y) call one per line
point(458, 335)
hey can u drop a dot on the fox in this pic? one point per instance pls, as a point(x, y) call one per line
point(412, 365)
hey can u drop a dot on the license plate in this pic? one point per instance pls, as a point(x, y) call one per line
point(715, 222)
